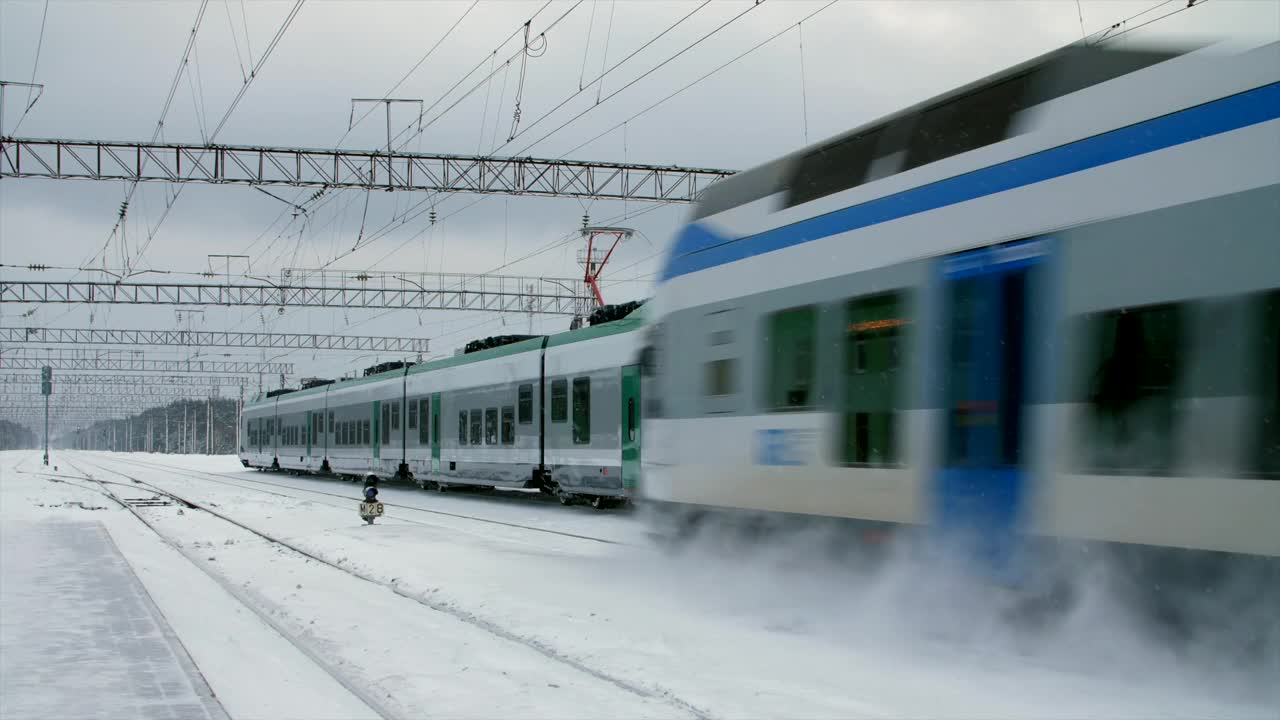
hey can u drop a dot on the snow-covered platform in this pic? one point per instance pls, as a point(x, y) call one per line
point(80, 637)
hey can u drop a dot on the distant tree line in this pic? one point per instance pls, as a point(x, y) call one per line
point(16, 437)
point(185, 426)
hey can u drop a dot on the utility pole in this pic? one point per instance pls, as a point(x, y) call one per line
point(166, 429)
point(208, 426)
point(387, 103)
point(46, 387)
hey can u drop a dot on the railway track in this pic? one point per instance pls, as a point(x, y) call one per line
point(648, 692)
point(107, 489)
point(236, 481)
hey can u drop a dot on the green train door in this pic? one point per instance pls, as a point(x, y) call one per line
point(435, 432)
point(630, 428)
point(377, 432)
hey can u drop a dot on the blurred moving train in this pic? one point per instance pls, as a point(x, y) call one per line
point(559, 413)
point(1044, 305)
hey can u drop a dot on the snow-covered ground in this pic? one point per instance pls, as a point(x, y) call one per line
point(498, 605)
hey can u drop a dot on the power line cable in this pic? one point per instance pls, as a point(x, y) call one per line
point(253, 72)
point(424, 126)
point(415, 67)
point(701, 78)
point(608, 38)
point(44, 16)
point(582, 88)
point(645, 74)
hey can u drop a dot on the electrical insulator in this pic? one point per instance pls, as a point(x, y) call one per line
point(432, 216)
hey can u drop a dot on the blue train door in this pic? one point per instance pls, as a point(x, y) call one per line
point(991, 300)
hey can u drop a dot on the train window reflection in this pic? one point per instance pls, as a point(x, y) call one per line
point(789, 338)
point(424, 418)
point(559, 400)
point(526, 404)
point(491, 426)
point(581, 411)
point(1268, 453)
point(1131, 392)
point(872, 396)
point(508, 425)
point(475, 427)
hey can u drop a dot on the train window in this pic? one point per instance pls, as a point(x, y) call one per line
point(872, 388)
point(508, 425)
point(435, 432)
point(559, 400)
point(720, 377)
point(462, 427)
point(384, 430)
point(366, 440)
point(413, 414)
point(833, 168)
point(1131, 391)
point(1268, 440)
point(475, 427)
point(491, 426)
point(525, 393)
point(330, 421)
point(581, 411)
point(966, 123)
point(631, 419)
point(424, 419)
point(789, 341)
point(395, 415)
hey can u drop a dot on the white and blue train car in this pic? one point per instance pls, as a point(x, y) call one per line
point(1044, 305)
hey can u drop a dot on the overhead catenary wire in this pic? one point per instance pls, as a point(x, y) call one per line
point(645, 74)
point(35, 64)
point(235, 41)
point(415, 67)
point(583, 87)
point(608, 37)
point(804, 89)
point(1107, 34)
point(700, 78)
point(253, 72)
point(423, 126)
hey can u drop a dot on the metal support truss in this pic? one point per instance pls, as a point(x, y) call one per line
point(188, 338)
point(177, 392)
point(206, 382)
point(500, 293)
point(250, 165)
point(132, 364)
point(105, 403)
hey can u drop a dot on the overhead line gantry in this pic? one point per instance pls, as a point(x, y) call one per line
point(190, 338)
point(447, 291)
point(358, 169)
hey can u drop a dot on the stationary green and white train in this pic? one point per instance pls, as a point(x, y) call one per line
point(560, 413)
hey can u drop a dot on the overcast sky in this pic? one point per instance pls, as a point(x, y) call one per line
point(107, 67)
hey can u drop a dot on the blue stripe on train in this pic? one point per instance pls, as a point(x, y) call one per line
point(698, 248)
